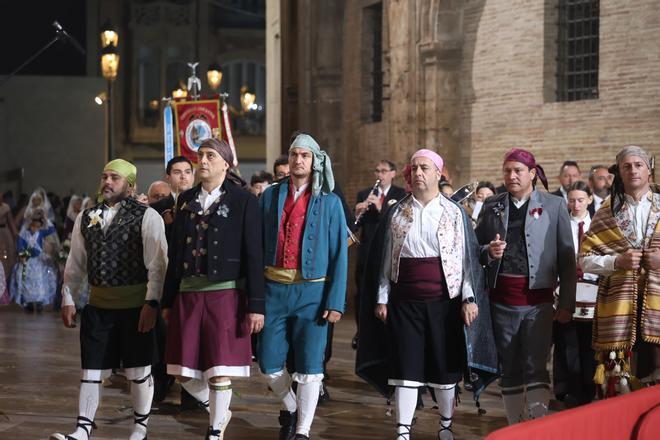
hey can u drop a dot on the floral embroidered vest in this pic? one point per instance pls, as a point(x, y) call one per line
point(450, 236)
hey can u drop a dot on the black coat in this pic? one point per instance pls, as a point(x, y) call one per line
point(235, 240)
point(369, 223)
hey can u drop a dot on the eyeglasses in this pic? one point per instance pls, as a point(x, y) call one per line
point(382, 170)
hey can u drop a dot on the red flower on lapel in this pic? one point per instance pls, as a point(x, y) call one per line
point(536, 212)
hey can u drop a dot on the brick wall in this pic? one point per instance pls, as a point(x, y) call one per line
point(477, 78)
point(505, 89)
point(505, 72)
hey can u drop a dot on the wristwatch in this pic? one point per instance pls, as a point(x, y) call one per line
point(469, 300)
point(152, 302)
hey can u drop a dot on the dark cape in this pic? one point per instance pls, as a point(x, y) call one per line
point(373, 352)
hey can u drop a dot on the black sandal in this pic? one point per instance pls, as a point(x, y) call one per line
point(212, 432)
point(404, 434)
point(140, 419)
point(86, 424)
point(445, 428)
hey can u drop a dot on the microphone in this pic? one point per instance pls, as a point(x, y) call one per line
point(64, 35)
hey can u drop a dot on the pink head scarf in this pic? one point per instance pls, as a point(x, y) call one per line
point(526, 158)
point(435, 158)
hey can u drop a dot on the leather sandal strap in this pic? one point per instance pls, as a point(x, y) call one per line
point(404, 434)
point(140, 418)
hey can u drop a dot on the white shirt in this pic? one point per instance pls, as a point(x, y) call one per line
point(299, 192)
point(421, 242)
point(476, 209)
point(564, 193)
point(154, 249)
point(639, 216)
point(519, 203)
point(575, 228)
point(597, 202)
point(383, 191)
point(422, 238)
point(206, 198)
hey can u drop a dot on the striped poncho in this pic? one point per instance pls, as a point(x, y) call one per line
point(615, 321)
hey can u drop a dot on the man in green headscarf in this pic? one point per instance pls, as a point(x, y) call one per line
point(119, 246)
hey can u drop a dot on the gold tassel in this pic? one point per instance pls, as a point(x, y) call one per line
point(599, 376)
point(626, 366)
point(635, 383)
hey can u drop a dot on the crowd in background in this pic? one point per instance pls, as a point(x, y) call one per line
point(35, 229)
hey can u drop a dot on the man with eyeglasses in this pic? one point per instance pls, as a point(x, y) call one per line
point(370, 208)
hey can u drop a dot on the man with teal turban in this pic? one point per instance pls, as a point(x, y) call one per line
point(305, 254)
point(119, 246)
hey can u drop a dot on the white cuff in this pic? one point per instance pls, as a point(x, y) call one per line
point(137, 373)
point(383, 293)
point(95, 374)
point(67, 299)
point(154, 291)
point(307, 378)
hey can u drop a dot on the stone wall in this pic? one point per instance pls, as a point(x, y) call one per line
point(505, 80)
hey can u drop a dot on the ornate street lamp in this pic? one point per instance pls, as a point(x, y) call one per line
point(109, 70)
point(214, 76)
point(179, 93)
point(109, 36)
point(247, 100)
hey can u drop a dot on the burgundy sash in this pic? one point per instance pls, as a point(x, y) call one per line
point(515, 291)
point(420, 279)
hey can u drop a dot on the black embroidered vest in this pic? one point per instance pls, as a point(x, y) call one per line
point(115, 257)
point(514, 260)
point(195, 253)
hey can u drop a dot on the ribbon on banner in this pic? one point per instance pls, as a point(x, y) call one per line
point(168, 133)
point(228, 137)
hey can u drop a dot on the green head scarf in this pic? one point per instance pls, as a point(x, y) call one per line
point(124, 168)
point(322, 177)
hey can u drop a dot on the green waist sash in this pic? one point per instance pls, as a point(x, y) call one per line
point(202, 284)
point(121, 297)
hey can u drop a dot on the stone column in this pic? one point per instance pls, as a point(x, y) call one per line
point(273, 82)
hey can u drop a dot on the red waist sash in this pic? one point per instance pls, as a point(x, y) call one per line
point(420, 279)
point(515, 291)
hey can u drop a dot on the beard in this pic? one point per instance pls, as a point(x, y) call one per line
point(112, 196)
point(602, 192)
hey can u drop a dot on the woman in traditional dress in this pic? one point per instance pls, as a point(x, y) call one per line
point(8, 235)
point(4, 295)
point(72, 211)
point(38, 200)
point(34, 278)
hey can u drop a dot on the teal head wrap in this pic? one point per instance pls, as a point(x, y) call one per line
point(322, 177)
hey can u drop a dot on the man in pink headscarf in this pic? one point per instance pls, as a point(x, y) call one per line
point(424, 295)
point(526, 245)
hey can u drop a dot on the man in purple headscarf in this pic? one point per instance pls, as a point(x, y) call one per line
point(526, 245)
